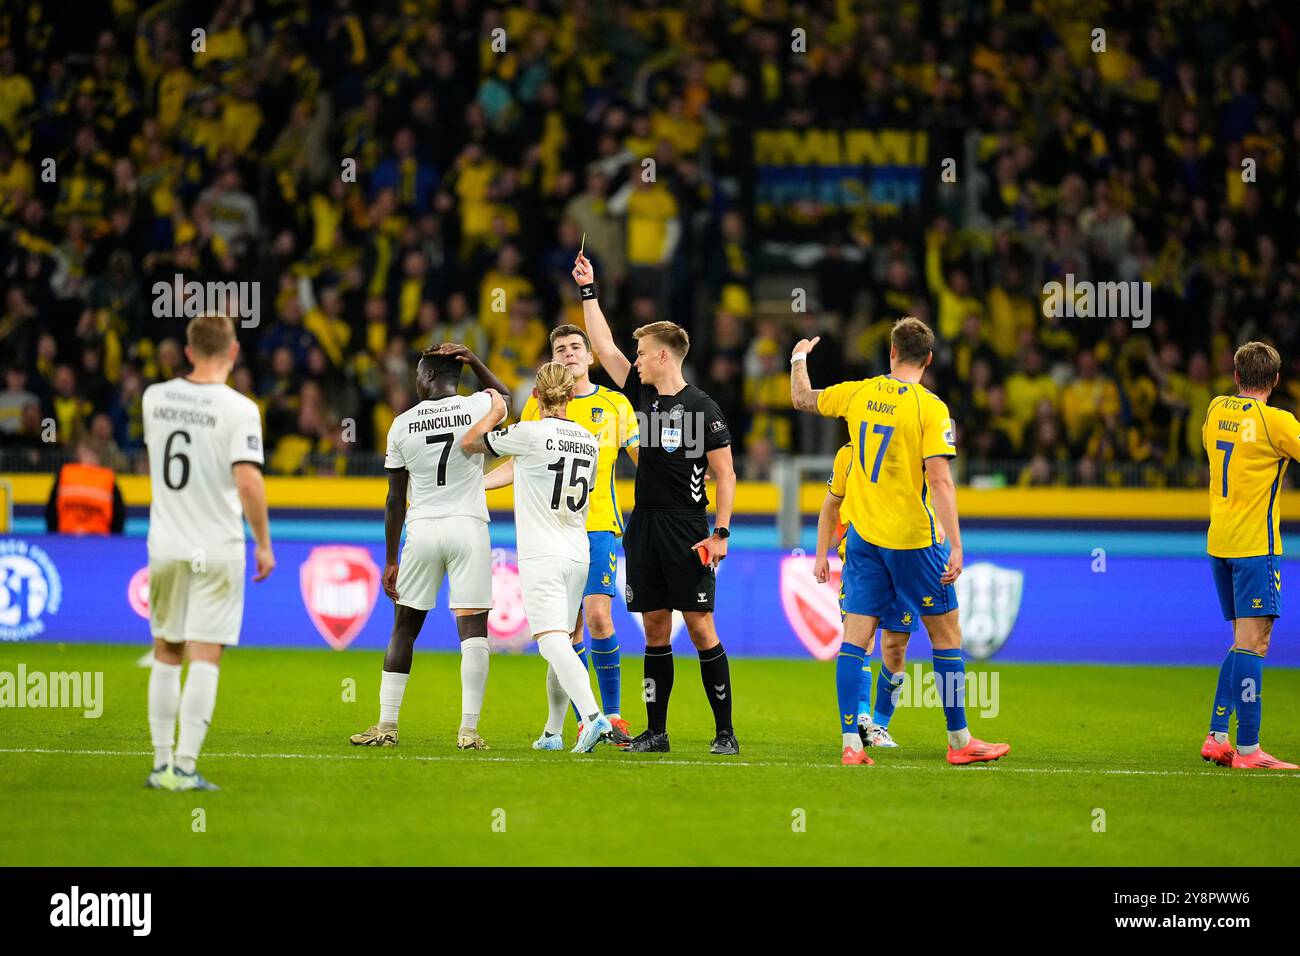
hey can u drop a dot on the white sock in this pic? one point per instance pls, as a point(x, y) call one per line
point(391, 688)
point(1247, 750)
point(853, 741)
point(1220, 737)
point(557, 703)
point(198, 701)
point(164, 705)
point(474, 658)
point(958, 738)
point(559, 653)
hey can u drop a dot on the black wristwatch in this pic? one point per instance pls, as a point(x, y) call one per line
point(722, 533)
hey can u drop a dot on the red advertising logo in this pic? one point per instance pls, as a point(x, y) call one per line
point(339, 585)
point(813, 609)
point(507, 623)
point(137, 592)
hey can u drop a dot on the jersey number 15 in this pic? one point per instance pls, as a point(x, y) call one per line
point(575, 481)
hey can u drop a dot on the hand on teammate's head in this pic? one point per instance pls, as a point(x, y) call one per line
point(457, 351)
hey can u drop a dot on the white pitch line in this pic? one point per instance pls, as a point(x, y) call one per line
point(661, 762)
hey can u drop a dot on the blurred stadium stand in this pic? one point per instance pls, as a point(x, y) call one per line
point(779, 177)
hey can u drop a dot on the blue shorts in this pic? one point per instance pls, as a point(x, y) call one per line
point(899, 586)
point(604, 563)
point(1248, 587)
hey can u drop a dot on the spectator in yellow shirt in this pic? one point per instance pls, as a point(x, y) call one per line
point(1088, 402)
point(653, 229)
point(1029, 386)
point(501, 288)
point(1011, 313)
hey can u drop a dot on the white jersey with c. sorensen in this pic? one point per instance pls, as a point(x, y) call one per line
point(425, 440)
point(555, 467)
point(196, 433)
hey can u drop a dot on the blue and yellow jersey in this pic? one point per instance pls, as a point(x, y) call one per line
point(838, 483)
point(893, 427)
point(609, 416)
point(1249, 444)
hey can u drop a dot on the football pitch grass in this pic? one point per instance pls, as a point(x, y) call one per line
point(1104, 770)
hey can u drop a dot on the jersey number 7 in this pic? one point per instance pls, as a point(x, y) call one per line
point(888, 432)
point(446, 439)
point(1226, 448)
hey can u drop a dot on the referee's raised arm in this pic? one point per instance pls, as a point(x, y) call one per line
point(602, 339)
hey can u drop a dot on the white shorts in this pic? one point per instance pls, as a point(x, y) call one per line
point(455, 547)
point(203, 603)
point(552, 590)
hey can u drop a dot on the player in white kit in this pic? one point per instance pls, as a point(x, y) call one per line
point(205, 476)
point(555, 466)
point(446, 535)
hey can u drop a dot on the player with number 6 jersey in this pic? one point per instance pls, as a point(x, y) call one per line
point(205, 476)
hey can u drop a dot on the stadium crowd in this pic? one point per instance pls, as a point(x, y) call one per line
point(400, 174)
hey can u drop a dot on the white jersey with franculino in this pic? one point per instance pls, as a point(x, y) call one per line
point(197, 433)
point(425, 440)
point(555, 468)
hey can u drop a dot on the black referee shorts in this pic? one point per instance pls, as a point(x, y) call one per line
point(663, 570)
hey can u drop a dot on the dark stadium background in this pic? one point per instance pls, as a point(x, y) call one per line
point(478, 170)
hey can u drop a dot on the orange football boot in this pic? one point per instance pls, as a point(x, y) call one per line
point(621, 724)
point(1214, 752)
point(856, 758)
point(977, 751)
point(1260, 761)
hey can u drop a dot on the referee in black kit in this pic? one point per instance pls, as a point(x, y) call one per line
point(671, 556)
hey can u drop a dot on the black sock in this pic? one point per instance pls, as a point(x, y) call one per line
point(716, 674)
point(658, 687)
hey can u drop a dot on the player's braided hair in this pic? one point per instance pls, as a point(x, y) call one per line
point(554, 385)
